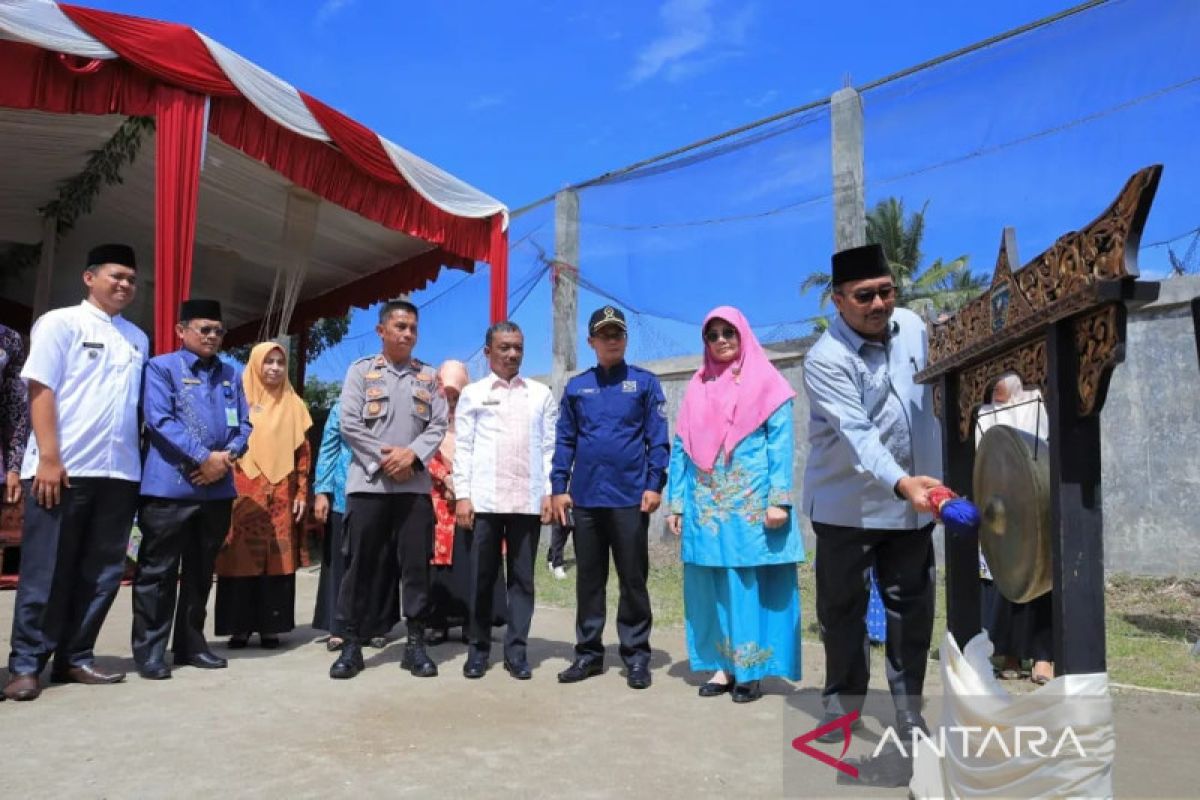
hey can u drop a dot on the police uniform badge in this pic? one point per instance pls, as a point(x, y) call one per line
point(629, 387)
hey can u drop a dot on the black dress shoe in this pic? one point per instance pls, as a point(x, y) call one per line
point(906, 723)
point(638, 677)
point(746, 692)
point(581, 668)
point(269, 642)
point(202, 661)
point(836, 735)
point(476, 666)
point(711, 689)
point(87, 675)
point(349, 662)
point(415, 659)
point(520, 670)
point(238, 641)
point(154, 671)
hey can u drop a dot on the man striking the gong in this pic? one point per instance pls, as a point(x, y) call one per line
point(874, 443)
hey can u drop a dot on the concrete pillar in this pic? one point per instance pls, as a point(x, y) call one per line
point(849, 194)
point(565, 295)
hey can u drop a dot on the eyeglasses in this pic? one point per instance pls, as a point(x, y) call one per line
point(209, 330)
point(866, 296)
point(727, 333)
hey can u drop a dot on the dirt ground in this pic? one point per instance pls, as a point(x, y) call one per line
point(274, 725)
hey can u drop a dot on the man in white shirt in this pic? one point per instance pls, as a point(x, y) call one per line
point(81, 473)
point(504, 444)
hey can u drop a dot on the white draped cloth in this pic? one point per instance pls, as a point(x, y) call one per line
point(1073, 711)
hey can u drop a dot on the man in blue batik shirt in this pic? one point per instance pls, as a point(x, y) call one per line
point(874, 444)
point(611, 450)
point(197, 422)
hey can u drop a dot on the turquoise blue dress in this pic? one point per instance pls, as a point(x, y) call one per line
point(740, 591)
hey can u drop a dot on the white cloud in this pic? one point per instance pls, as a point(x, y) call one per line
point(761, 100)
point(696, 36)
point(485, 101)
point(688, 28)
point(329, 8)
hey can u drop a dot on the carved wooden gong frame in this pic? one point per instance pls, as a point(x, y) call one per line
point(1059, 323)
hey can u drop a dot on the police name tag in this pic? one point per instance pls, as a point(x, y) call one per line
point(628, 387)
point(231, 417)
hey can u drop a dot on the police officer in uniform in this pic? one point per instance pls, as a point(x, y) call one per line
point(197, 422)
point(393, 419)
point(81, 473)
point(611, 450)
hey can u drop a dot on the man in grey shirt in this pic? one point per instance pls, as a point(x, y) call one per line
point(874, 443)
point(393, 419)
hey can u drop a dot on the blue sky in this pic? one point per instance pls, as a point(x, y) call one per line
point(523, 98)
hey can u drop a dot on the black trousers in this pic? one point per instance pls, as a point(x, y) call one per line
point(381, 528)
point(558, 543)
point(72, 559)
point(904, 568)
point(520, 532)
point(623, 532)
point(175, 534)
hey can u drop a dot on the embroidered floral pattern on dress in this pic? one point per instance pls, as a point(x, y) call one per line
point(779, 497)
point(725, 493)
point(746, 655)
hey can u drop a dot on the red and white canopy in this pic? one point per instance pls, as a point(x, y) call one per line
point(242, 145)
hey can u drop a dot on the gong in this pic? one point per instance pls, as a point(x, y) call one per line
point(1012, 491)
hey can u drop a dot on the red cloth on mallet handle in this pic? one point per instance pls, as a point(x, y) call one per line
point(938, 497)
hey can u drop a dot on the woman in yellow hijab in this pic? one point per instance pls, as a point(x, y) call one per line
point(256, 569)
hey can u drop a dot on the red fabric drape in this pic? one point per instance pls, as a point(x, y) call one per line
point(359, 143)
point(171, 52)
point(498, 258)
point(179, 120)
point(329, 173)
point(34, 78)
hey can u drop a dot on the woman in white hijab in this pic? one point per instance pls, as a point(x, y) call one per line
point(1019, 631)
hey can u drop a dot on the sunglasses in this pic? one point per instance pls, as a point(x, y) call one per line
point(209, 330)
point(865, 296)
point(726, 333)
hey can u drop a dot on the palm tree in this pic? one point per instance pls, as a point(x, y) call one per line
point(942, 286)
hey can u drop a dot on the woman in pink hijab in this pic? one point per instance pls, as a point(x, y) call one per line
point(730, 498)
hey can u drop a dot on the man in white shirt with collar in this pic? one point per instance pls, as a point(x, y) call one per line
point(504, 442)
point(81, 473)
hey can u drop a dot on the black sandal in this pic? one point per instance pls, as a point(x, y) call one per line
point(711, 689)
point(747, 692)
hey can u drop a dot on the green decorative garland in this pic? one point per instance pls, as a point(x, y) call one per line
point(76, 196)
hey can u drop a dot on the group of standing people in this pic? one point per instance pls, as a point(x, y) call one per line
point(434, 489)
point(213, 464)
